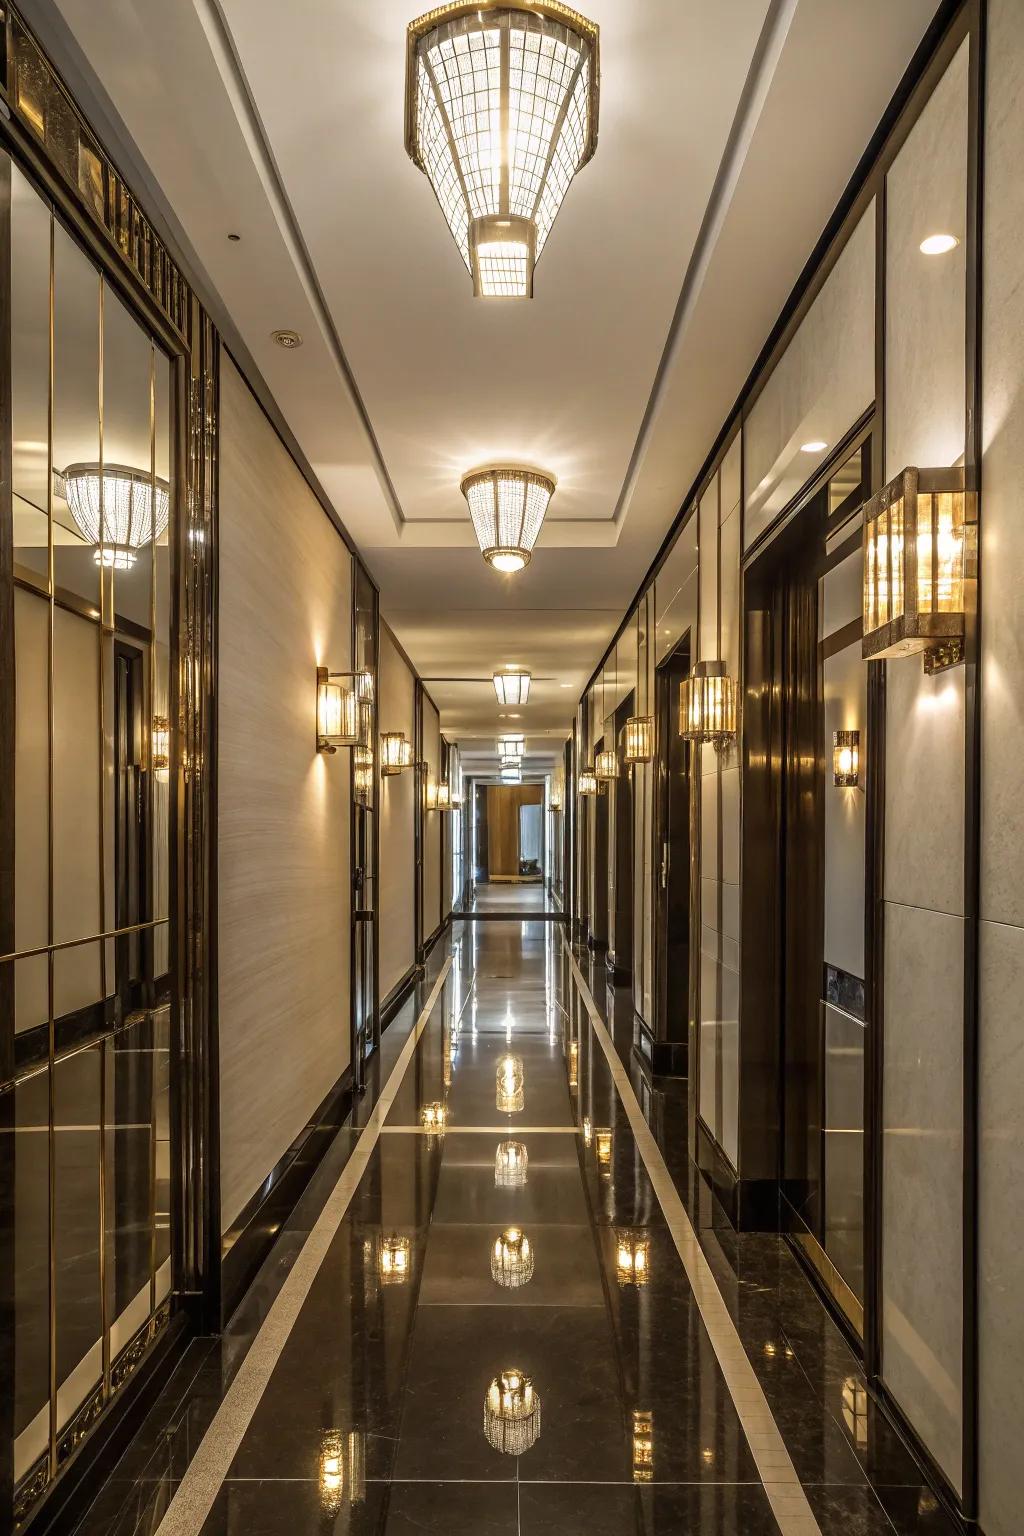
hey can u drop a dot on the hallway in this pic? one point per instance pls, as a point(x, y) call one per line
point(348, 1394)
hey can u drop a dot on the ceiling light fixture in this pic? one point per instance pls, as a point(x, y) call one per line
point(507, 506)
point(290, 340)
point(815, 445)
point(116, 508)
point(512, 686)
point(500, 114)
point(938, 245)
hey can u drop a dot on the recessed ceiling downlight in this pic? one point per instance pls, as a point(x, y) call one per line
point(287, 339)
point(507, 507)
point(938, 245)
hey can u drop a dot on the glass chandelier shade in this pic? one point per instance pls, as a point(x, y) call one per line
point(511, 1413)
point(638, 739)
point(511, 1165)
point(395, 753)
point(587, 782)
point(606, 765)
point(707, 704)
point(500, 113)
point(507, 507)
point(509, 1095)
point(914, 565)
point(116, 508)
point(512, 1259)
point(511, 686)
point(846, 758)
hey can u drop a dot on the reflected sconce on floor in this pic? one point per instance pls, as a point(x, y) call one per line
point(915, 564)
point(509, 1096)
point(433, 1118)
point(160, 746)
point(394, 1260)
point(588, 1132)
point(606, 765)
point(587, 782)
point(707, 704)
point(643, 1445)
point(846, 759)
point(511, 1165)
point(511, 1413)
point(603, 1146)
point(332, 1471)
point(574, 1060)
point(512, 1259)
point(395, 753)
point(638, 740)
point(632, 1258)
point(855, 1411)
point(511, 686)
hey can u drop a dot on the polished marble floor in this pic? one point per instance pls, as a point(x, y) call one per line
point(509, 896)
point(373, 1409)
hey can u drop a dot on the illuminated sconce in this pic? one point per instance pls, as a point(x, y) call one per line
point(707, 704)
point(638, 739)
point(643, 1445)
point(846, 758)
point(512, 1259)
point(160, 746)
point(394, 1260)
point(362, 774)
point(587, 782)
point(511, 1164)
point(555, 801)
point(511, 1413)
point(433, 1118)
point(332, 1471)
point(915, 532)
point(574, 1062)
point(509, 1095)
point(344, 704)
point(429, 791)
point(443, 798)
point(603, 1146)
point(588, 1132)
point(632, 1258)
point(395, 753)
point(606, 765)
point(855, 1410)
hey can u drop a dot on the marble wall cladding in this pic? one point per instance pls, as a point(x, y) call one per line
point(821, 385)
point(925, 295)
point(1001, 1040)
point(396, 801)
point(922, 1202)
point(284, 894)
point(924, 787)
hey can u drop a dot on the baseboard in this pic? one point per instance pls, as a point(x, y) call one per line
point(398, 994)
point(251, 1236)
point(429, 943)
point(80, 1480)
point(718, 1172)
point(930, 1469)
point(662, 1058)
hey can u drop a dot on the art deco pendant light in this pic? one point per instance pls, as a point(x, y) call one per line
point(507, 507)
point(500, 113)
point(511, 686)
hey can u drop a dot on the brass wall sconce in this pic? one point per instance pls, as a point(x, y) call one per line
point(846, 758)
point(638, 739)
point(606, 765)
point(343, 709)
point(707, 704)
point(160, 746)
point(443, 797)
point(555, 802)
point(429, 790)
point(915, 563)
point(395, 753)
point(587, 782)
point(362, 774)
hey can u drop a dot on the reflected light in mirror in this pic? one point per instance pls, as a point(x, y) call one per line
point(643, 1445)
point(332, 1473)
point(938, 245)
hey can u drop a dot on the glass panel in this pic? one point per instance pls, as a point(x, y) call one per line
point(25, 1122)
point(130, 1085)
point(675, 590)
point(160, 664)
point(77, 1297)
point(30, 373)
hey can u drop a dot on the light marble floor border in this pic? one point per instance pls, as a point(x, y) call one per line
point(208, 1468)
point(774, 1464)
point(482, 1130)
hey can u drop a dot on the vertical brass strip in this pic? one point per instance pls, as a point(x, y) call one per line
point(104, 647)
point(51, 1031)
point(151, 830)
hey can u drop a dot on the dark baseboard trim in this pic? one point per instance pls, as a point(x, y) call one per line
point(429, 943)
point(79, 1481)
point(663, 1058)
point(930, 1469)
point(398, 994)
point(718, 1172)
point(251, 1236)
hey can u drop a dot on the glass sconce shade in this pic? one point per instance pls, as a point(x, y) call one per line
point(632, 1258)
point(606, 765)
point(638, 739)
point(511, 1413)
point(500, 113)
point(394, 1260)
point(429, 792)
point(509, 1096)
point(160, 745)
point(914, 565)
point(707, 703)
point(344, 709)
point(555, 802)
point(433, 1117)
point(643, 1446)
point(587, 782)
point(512, 1259)
point(116, 508)
point(511, 687)
point(511, 1165)
point(362, 774)
point(510, 760)
point(846, 758)
point(443, 798)
point(507, 507)
point(395, 753)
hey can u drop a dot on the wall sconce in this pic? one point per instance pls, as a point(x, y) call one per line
point(443, 797)
point(643, 1446)
point(344, 704)
point(587, 783)
point(846, 758)
point(606, 765)
point(160, 746)
point(395, 753)
point(429, 790)
point(638, 739)
point(915, 532)
point(394, 1260)
point(632, 1258)
point(707, 704)
point(362, 774)
point(555, 801)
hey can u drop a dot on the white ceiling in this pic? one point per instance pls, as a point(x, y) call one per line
point(727, 134)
